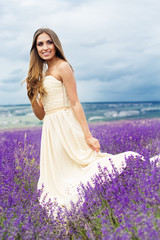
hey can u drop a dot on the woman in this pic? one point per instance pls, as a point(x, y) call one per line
point(69, 152)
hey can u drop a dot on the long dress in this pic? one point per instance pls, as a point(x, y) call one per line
point(65, 158)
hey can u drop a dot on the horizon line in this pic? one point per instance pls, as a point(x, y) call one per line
point(141, 101)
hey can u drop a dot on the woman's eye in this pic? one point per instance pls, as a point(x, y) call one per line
point(39, 44)
point(50, 42)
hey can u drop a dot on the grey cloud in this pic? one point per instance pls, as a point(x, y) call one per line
point(112, 41)
point(9, 81)
point(93, 43)
point(15, 77)
point(10, 86)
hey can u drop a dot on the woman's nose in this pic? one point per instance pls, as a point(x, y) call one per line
point(45, 46)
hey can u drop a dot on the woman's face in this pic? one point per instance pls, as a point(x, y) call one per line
point(45, 47)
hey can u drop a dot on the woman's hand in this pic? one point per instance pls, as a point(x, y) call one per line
point(93, 143)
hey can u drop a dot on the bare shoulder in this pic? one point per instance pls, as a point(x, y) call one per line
point(65, 71)
point(64, 66)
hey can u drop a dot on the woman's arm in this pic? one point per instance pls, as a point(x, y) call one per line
point(38, 110)
point(37, 107)
point(70, 84)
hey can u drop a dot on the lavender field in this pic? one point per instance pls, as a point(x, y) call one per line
point(128, 207)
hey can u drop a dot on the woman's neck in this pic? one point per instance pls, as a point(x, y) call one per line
point(51, 63)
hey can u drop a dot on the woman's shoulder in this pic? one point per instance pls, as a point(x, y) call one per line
point(64, 71)
point(63, 65)
point(64, 68)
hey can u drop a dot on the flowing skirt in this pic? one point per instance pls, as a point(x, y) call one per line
point(66, 160)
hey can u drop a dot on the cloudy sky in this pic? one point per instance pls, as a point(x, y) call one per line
point(113, 46)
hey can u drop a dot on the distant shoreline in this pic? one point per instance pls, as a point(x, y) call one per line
point(123, 121)
point(19, 128)
point(22, 116)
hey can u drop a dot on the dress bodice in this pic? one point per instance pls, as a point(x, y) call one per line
point(56, 95)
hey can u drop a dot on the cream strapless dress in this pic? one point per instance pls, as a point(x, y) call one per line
point(65, 158)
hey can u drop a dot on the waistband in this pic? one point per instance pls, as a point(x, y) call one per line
point(57, 109)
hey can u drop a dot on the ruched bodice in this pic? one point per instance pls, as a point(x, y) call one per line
point(56, 95)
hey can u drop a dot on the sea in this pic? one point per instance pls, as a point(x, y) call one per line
point(14, 116)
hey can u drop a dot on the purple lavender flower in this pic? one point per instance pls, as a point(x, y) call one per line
point(125, 208)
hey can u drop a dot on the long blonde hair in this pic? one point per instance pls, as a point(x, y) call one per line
point(36, 65)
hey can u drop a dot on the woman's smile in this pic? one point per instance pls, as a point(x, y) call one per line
point(46, 53)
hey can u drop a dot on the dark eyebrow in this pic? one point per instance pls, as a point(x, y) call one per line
point(47, 41)
point(39, 42)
